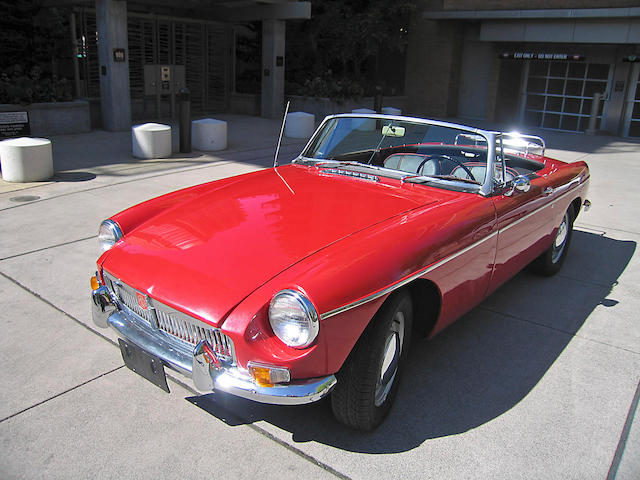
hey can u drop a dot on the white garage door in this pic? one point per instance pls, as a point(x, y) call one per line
point(559, 94)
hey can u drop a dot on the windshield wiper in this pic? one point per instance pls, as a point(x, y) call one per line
point(353, 154)
point(344, 163)
point(457, 179)
point(338, 163)
point(428, 178)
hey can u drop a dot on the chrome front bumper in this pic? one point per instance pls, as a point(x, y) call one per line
point(206, 377)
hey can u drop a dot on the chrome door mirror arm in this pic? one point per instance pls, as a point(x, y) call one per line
point(519, 184)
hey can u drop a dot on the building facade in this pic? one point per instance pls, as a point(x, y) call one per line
point(134, 58)
point(528, 63)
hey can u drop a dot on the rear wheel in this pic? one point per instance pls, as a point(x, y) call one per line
point(368, 381)
point(550, 262)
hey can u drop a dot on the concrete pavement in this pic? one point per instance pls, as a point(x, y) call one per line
point(540, 381)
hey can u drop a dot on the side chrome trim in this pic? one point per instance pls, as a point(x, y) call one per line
point(406, 280)
point(430, 268)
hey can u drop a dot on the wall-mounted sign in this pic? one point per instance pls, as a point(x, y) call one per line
point(542, 56)
point(118, 55)
point(14, 124)
point(631, 58)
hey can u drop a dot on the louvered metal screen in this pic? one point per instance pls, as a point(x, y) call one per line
point(202, 47)
point(195, 49)
point(89, 47)
point(217, 62)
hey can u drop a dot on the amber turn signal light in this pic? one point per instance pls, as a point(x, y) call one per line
point(95, 283)
point(267, 376)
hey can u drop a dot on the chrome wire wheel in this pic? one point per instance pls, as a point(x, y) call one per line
point(560, 241)
point(390, 359)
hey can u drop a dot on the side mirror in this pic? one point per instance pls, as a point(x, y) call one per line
point(519, 184)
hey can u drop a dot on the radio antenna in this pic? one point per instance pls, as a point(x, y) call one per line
point(284, 120)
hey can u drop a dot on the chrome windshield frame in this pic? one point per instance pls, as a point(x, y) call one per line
point(536, 141)
point(486, 188)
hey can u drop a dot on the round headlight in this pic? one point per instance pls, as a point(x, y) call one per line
point(293, 318)
point(108, 234)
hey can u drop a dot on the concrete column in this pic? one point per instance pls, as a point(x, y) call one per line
point(613, 114)
point(273, 38)
point(115, 97)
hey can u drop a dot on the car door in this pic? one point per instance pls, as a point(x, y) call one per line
point(524, 225)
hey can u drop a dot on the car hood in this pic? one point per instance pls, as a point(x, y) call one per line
point(205, 255)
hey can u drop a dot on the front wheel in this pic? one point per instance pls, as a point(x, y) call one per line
point(368, 381)
point(550, 262)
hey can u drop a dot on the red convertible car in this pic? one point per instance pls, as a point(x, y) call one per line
point(310, 279)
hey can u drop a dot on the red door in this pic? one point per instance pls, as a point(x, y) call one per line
point(525, 223)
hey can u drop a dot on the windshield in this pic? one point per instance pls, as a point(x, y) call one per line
point(413, 149)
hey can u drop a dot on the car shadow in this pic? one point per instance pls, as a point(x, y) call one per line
point(474, 371)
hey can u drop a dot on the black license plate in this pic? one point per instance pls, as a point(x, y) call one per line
point(144, 364)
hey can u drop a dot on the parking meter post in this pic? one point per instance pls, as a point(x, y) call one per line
point(184, 127)
point(377, 100)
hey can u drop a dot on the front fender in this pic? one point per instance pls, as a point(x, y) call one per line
point(359, 272)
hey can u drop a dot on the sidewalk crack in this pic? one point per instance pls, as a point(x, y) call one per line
point(60, 394)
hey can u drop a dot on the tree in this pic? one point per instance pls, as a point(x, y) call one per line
point(350, 41)
point(34, 41)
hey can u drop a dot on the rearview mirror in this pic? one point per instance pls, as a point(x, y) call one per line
point(392, 131)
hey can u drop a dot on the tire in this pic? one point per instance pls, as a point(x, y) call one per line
point(551, 261)
point(368, 381)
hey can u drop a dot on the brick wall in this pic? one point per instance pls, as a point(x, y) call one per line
point(533, 4)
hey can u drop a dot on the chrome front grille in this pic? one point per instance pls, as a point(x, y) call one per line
point(127, 296)
point(189, 332)
point(175, 324)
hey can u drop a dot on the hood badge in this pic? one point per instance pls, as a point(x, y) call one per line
point(142, 301)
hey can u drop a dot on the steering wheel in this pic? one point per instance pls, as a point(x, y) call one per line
point(440, 158)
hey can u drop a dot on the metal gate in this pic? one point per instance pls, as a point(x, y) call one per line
point(559, 94)
point(202, 47)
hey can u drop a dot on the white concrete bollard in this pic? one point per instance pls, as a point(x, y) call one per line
point(26, 159)
point(151, 140)
point(391, 111)
point(300, 125)
point(364, 125)
point(209, 134)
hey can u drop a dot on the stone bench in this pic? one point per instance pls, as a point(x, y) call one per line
point(300, 125)
point(209, 134)
point(151, 140)
point(26, 159)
